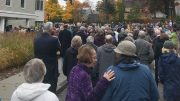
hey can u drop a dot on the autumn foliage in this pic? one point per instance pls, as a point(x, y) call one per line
point(71, 12)
point(67, 14)
point(53, 11)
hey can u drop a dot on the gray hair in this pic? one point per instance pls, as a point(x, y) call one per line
point(76, 41)
point(47, 26)
point(100, 31)
point(142, 34)
point(108, 39)
point(90, 39)
point(34, 71)
point(82, 28)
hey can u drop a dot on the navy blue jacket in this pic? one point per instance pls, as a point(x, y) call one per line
point(133, 82)
point(169, 73)
point(45, 48)
point(65, 38)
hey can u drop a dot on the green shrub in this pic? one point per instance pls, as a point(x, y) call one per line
point(15, 49)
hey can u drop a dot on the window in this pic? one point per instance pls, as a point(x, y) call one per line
point(39, 4)
point(8, 2)
point(22, 3)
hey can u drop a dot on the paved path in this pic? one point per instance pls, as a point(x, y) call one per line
point(7, 86)
point(62, 95)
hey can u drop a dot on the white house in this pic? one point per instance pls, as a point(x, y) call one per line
point(23, 13)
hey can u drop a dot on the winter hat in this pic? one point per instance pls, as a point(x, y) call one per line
point(168, 44)
point(168, 47)
point(126, 48)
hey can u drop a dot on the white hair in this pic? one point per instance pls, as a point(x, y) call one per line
point(142, 34)
point(34, 71)
point(90, 39)
point(47, 26)
point(108, 38)
point(76, 41)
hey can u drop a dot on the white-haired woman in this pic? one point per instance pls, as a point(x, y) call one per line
point(33, 89)
point(70, 59)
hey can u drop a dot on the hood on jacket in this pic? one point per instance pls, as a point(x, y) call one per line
point(28, 92)
point(108, 48)
point(169, 57)
point(128, 67)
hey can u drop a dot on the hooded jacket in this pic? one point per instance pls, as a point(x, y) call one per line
point(105, 58)
point(33, 92)
point(169, 73)
point(144, 51)
point(133, 82)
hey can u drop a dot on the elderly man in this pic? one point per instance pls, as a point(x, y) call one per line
point(46, 48)
point(105, 55)
point(33, 89)
point(134, 81)
point(65, 37)
point(144, 49)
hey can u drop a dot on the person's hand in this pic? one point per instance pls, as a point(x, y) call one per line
point(109, 75)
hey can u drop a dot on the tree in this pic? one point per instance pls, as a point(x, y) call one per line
point(165, 6)
point(120, 9)
point(156, 5)
point(77, 15)
point(67, 15)
point(71, 1)
point(53, 11)
point(134, 12)
point(53, 1)
point(107, 8)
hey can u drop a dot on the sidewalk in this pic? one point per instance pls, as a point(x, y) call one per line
point(7, 86)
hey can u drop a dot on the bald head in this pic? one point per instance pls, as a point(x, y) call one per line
point(109, 39)
point(142, 34)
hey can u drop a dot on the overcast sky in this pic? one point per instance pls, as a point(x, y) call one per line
point(93, 2)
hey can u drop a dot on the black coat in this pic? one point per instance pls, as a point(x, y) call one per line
point(65, 38)
point(157, 47)
point(45, 48)
point(83, 36)
point(70, 60)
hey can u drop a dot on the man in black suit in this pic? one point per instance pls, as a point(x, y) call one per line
point(65, 38)
point(46, 48)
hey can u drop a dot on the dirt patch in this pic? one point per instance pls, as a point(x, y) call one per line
point(10, 72)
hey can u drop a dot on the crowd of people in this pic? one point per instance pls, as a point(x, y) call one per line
point(104, 63)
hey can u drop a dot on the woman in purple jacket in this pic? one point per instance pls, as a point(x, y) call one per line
point(79, 84)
